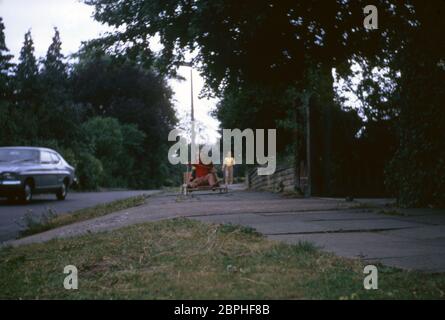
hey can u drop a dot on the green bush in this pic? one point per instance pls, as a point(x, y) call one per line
point(69, 155)
point(89, 171)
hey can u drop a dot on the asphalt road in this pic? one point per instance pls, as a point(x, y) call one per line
point(11, 215)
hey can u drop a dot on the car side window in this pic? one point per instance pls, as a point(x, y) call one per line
point(45, 157)
point(55, 158)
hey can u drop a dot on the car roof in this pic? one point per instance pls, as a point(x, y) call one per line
point(29, 148)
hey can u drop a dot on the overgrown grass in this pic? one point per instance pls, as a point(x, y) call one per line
point(185, 259)
point(50, 219)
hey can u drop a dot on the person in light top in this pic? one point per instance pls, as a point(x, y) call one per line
point(229, 163)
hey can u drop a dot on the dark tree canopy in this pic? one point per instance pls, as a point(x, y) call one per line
point(254, 41)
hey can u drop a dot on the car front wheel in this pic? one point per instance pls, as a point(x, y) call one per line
point(26, 195)
point(62, 193)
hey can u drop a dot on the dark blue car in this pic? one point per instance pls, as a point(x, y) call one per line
point(25, 171)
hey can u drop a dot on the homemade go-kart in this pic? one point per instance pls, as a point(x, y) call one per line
point(200, 171)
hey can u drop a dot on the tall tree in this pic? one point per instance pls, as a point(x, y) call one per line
point(27, 72)
point(59, 116)
point(54, 71)
point(5, 65)
point(28, 91)
point(134, 95)
point(8, 128)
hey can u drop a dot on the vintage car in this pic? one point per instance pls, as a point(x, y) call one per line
point(25, 171)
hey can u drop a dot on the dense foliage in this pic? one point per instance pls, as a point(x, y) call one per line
point(108, 117)
point(277, 57)
point(417, 172)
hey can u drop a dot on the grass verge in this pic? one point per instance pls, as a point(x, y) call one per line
point(51, 220)
point(185, 259)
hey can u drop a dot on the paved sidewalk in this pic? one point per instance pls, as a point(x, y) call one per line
point(12, 215)
point(409, 239)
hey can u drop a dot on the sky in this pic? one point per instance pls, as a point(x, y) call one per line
point(75, 23)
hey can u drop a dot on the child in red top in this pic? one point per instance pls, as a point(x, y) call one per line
point(203, 175)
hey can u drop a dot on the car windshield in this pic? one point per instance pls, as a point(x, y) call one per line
point(18, 155)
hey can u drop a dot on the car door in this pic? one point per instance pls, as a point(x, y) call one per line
point(59, 168)
point(49, 174)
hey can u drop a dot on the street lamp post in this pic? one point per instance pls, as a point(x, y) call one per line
point(193, 146)
point(191, 92)
point(190, 65)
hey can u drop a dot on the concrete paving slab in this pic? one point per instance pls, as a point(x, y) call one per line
point(428, 219)
point(420, 233)
point(345, 214)
point(277, 226)
point(426, 263)
point(365, 224)
point(365, 245)
point(236, 219)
